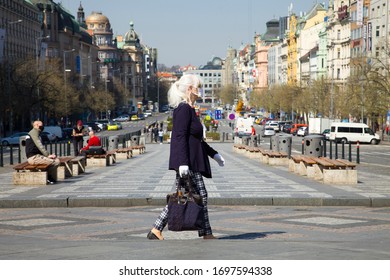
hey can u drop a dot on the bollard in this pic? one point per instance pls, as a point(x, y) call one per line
point(324, 147)
point(303, 146)
point(336, 152)
point(68, 149)
point(343, 151)
point(330, 149)
point(11, 156)
point(357, 152)
point(350, 152)
point(1, 156)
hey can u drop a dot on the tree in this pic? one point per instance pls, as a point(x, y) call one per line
point(227, 94)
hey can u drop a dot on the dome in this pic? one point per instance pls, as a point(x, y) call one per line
point(97, 17)
point(131, 35)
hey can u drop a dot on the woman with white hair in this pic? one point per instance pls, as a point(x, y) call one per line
point(188, 152)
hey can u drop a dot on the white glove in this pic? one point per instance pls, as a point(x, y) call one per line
point(218, 158)
point(183, 170)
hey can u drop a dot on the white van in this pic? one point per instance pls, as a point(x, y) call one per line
point(353, 132)
point(243, 126)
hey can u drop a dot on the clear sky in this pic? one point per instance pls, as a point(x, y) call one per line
point(190, 32)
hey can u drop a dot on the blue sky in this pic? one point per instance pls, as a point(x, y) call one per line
point(190, 32)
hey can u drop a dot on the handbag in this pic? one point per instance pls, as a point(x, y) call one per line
point(185, 210)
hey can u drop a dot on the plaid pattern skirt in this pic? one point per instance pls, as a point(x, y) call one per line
point(199, 188)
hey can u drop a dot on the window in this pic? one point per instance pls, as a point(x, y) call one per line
point(356, 130)
point(343, 129)
point(377, 31)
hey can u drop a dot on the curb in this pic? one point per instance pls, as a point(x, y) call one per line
point(134, 202)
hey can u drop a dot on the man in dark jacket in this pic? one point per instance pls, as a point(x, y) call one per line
point(37, 154)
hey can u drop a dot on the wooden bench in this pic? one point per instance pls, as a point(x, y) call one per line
point(335, 171)
point(302, 165)
point(239, 148)
point(138, 149)
point(78, 165)
point(65, 168)
point(124, 153)
point(274, 158)
point(102, 160)
point(30, 174)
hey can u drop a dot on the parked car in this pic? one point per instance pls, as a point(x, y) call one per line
point(134, 118)
point(287, 128)
point(295, 126)
point(302, 131)
point(95, 126)
point(148, 113)
point(13, 139)
point(67, 133)
point(56, 130)
point(269, 131)
point(119, 125)
point(112, 126)
point(103, 122)
point(122, 118)
point(274, 125)
point(48, 137)
point(326, 133)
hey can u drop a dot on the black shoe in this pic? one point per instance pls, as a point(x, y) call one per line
point(152, 236)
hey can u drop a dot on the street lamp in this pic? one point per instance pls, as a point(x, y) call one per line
point(37, 55)
point(66, 94)
point(8, 71)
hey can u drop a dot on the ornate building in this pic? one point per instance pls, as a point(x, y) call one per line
point(19, 29)
point(99, 28)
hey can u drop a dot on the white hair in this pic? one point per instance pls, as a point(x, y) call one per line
point(178, 91)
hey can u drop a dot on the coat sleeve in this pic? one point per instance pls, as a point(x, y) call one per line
point(210, 151)
point(181, 126)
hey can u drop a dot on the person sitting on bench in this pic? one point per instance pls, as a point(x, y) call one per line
point(93, 147)
point(36, 152)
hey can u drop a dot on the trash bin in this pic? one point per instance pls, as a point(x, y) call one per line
point(274, 144)
point(134, 140)
point(22, 148)
point(313, 145)
point(253, 141)
point(285, 141)
point(142, 140)
point(113, 142)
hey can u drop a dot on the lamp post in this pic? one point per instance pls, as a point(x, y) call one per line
point(66, 93)
point(8, 79)
point(37, 55)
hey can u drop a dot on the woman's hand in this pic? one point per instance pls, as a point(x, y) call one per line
point(218, 158)
point(183, 170)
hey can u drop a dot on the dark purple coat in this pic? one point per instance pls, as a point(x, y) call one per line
point(187, 146)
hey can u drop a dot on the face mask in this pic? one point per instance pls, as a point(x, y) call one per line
point(41, 128)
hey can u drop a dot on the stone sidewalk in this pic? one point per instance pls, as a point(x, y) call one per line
point(144, 181)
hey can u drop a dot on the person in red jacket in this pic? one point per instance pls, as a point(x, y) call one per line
point(93, 141)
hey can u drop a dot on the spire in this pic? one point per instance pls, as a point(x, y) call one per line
point(80, 15)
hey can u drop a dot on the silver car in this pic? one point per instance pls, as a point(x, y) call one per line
point(13, 139)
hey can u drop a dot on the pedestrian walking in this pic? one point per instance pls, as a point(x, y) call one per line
point(161, 135)
point(188, 152)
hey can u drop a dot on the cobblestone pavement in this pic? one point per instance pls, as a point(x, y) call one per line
point(257, 211)
point(145, 180)
point(244, 232)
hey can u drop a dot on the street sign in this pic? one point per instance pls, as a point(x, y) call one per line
point(218, 114)
point(232, 116)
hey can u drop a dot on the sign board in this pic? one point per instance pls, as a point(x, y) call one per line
point(218, 114)
point(232, 116)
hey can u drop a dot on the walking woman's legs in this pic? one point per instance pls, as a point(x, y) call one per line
point(200, 188)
